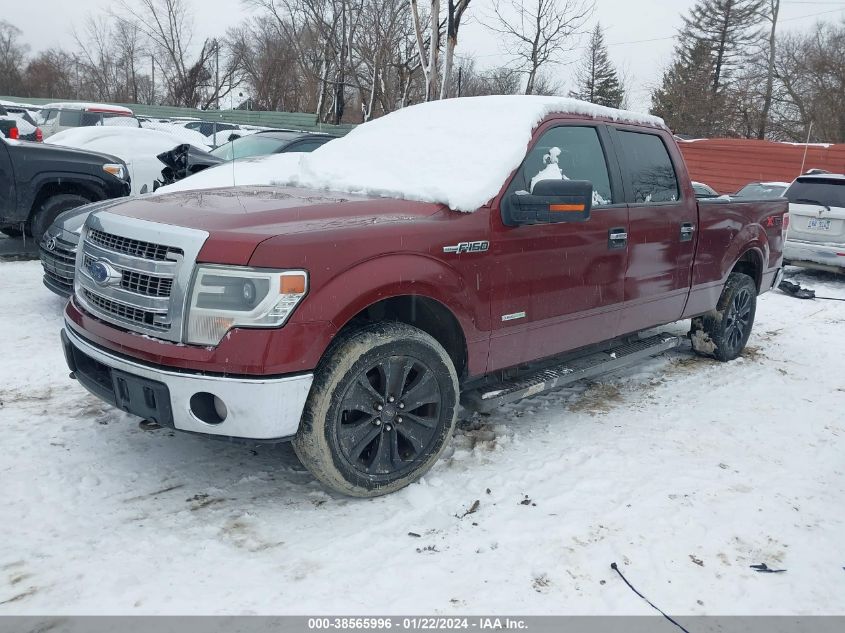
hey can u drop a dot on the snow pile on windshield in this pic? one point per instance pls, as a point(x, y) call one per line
point(456, 152)
point(191, 137)
point(137, 147)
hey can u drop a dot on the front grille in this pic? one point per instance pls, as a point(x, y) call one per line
point(58, 265)
point(135, 248)
point(141, 283)
point(146, 281)
point(123, 311)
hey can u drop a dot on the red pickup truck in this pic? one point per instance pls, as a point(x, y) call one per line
point(473, 252)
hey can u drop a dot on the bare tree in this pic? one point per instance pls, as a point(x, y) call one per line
point(192, 80)
point(429, 69)
point(771, 14)
point(454, 14)
point(537, 33)
point(12, 56)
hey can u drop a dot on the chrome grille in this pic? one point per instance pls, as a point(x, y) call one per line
point(143, 272)
point(58, 265)
point(140, 283)
point(133, 247)
point(124, 311)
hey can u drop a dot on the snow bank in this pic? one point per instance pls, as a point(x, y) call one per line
point(457, 152)
point(137, 147)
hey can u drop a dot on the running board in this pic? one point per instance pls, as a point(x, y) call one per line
point(573, 370)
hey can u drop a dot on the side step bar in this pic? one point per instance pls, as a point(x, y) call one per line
point(572, 370)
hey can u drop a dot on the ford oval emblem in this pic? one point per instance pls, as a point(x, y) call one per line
point(103, 273)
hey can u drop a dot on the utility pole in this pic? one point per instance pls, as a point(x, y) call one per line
point(217, 71)
point(460, 78)
point(153, 87)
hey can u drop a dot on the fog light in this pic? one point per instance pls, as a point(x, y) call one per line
point(208, 408)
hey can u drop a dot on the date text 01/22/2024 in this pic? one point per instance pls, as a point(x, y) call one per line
point(416, 623)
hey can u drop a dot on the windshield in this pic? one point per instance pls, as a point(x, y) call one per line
point(761, 191)
point(827, 192)
point(255, 145)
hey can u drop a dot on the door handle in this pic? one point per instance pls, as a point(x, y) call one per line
point(687, 230)
point(617, 238)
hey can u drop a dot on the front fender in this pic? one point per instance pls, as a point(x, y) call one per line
point(356, 288)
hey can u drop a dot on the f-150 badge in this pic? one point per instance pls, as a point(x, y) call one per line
point(468, 247)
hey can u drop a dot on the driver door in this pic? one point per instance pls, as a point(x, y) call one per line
point(560, 286)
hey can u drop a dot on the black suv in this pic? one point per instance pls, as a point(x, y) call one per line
point(38, 181)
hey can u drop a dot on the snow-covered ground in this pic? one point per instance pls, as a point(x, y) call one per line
point(683, 471)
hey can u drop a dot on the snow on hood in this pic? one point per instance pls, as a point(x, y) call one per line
point(456, 152)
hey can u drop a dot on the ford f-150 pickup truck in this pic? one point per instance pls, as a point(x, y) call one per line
point(471, 251)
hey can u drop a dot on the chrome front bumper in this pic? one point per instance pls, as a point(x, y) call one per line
point(254, 408)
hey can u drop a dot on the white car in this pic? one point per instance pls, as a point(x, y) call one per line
point(57, 117)
point(816, 235)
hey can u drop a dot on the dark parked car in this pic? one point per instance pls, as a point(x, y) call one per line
point(704, 191)
point(186, 160)
point(39, 181)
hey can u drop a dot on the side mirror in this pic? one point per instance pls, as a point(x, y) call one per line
point(551, 201)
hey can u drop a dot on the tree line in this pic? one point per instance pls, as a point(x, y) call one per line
point(735, 74)
point(344, 60)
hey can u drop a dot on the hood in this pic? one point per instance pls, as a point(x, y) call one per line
point(48, 151)
point(239, 218)
point(72, 220)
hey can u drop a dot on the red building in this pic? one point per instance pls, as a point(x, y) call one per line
point(728, 164)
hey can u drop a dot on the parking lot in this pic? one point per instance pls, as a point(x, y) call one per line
point(683, 471)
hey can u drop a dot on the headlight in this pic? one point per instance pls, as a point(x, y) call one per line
point(226, 297)
point(118, 171)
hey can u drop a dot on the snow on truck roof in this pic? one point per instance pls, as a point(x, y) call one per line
point(456, 152)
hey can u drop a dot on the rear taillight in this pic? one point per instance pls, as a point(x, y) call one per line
point(13, 133)
point(39, 135)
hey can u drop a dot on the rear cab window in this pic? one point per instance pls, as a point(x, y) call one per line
point(651, 171)
point(70, 118)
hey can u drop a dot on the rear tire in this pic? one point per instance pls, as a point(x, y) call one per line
point(723, 332)
point(52, 207)
point(381, 410)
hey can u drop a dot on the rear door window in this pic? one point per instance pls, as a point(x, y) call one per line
point(822, 191)
point(652, 174)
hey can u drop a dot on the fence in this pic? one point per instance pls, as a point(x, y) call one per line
point(288, 120)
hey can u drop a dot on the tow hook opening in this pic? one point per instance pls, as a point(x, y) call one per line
point(208, 408)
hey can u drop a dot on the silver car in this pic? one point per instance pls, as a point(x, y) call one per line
point(816, 234)
point(58, 246)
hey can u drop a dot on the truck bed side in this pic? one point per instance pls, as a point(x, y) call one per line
point(739, 235)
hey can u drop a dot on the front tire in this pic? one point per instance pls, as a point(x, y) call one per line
point(381, 410)
point(723, 332)
point(50, 209)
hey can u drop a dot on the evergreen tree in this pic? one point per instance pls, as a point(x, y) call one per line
point(685, 99)
point(728, 27)
point(598, 81)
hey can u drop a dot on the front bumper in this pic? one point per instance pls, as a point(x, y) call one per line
point(254, 408)
point(813, 255)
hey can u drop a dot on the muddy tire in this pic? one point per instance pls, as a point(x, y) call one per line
point(52, 207)
point(381, 410)
point(723, 332)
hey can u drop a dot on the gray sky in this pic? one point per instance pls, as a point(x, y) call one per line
point(627, 23)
